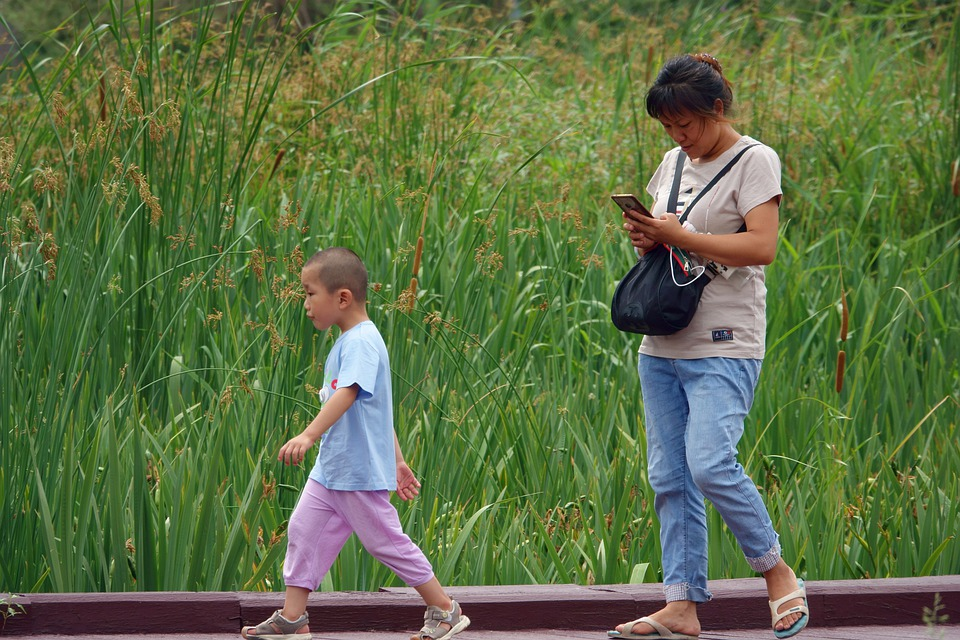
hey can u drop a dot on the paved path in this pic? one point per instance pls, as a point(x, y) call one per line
point(885, 609)
point(949, 632)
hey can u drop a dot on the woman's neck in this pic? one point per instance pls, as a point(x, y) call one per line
point(727, 138)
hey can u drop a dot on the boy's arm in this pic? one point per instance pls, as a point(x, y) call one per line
point(407, 484)
point(297, 447)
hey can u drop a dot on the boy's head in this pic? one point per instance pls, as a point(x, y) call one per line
point(335, 285)
point(339, 268)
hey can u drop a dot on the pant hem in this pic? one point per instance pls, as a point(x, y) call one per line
point(684, 591)
point(767, 561)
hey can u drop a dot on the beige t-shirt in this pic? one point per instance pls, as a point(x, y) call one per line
point(731, 319)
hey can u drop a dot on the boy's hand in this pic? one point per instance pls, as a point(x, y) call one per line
point(295, 449)
point(408, 487)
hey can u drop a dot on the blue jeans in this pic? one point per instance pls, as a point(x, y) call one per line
point(694, 411)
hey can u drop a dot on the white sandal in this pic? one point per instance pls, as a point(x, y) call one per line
point(802, 609)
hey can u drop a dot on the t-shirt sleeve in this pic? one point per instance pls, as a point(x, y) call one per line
point(760, 181)
point(359, 366)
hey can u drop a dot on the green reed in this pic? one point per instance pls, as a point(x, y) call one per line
point(162, 180)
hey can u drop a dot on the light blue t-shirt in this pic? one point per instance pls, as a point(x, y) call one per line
point(357, 452)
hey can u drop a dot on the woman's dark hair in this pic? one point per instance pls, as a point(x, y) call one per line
point(690, 83)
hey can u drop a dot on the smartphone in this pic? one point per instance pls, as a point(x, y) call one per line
point(628, 202)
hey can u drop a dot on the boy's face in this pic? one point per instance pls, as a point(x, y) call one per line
point(323, 307)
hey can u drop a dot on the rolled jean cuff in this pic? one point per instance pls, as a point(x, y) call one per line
point(767, 561)
point(685, 591)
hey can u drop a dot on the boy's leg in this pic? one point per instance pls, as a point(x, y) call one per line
point(377, 525)
point(443, 618)
point(294, 602)
point(315, 535)
point(434, 595)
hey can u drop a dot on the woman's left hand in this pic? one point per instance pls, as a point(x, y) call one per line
point(646, 232)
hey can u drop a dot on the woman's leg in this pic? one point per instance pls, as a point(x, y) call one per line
point(720, 393)
point(678, 501)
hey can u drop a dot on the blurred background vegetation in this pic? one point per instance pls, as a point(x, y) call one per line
point(165, 169)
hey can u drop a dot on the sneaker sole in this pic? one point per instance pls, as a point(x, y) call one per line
point(457, 628)
point(276, 636)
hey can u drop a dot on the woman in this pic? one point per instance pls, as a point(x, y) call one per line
point(698, 383)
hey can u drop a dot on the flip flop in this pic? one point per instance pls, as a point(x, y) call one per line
point(662, 633)
point(797, 626)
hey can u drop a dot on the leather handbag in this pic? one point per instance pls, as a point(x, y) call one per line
point(661, 292)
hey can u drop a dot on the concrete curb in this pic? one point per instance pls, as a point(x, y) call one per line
point(737, 604)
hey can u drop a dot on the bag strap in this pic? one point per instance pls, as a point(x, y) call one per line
point(710, 185)
point(675, 189)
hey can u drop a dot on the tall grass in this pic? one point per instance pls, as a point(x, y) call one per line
point(162, 180)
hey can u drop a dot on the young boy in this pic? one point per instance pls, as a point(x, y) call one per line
point(359, 462)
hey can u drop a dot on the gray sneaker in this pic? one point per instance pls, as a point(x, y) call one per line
point(276, 627)
point(435, 616)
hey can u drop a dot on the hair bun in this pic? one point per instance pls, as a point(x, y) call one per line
point(710, 60)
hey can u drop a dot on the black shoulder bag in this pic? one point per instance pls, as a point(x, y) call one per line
point(660, 294)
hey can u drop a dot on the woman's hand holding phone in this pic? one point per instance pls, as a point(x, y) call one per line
point(633, 212)
point(629, 203)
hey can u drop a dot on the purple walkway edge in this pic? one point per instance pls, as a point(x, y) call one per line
point(738, 604)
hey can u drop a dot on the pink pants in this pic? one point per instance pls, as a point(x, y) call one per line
point(324, 519)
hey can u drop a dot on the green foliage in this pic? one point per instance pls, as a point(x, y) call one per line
point(9, 607)
point(163, 176)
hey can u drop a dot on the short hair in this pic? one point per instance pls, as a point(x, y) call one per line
point(340, 268)
point(690, 83)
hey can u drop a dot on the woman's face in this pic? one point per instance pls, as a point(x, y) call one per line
point(698, 136)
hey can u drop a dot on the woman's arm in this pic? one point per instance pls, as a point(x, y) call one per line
point(755, 246)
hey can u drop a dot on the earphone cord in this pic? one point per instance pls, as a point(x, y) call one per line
point(673, 274)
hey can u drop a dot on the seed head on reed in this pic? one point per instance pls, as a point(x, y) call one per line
point(405, 300)
point(165, 118)
point(182, 238)
point(841, 365)
point(213, 319)
point(269, 488)
point(114, 285)
point(294, 261)
point(842, 356)
point(223, 278)
point(258, 262)
point(291, 217)
point(59, 111)
point(132, 105)
point(47, 179)
point(276, 163)
point(411, 297)
point(146, 195)
point(489, 261)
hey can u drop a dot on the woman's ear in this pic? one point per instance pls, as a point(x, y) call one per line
point(718, 107)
